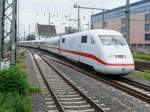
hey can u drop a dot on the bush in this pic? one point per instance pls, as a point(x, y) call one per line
point(11, 102)
point(15, 89)
point(14, 80)
point(143, 75)
point(141, 56)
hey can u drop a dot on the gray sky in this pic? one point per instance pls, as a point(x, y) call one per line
point(33, 11)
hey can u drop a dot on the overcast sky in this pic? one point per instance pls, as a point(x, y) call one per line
point(37, 11)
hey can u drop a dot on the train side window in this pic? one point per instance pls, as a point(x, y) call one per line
point(84, 39)
point(92, 41)
point(63, 40)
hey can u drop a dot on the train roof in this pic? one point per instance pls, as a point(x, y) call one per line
point(97, 32)
point(92, 32)
point(32, 41)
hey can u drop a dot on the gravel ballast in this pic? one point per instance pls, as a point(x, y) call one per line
point(137, 79)
point(38, 102)
point(115, 99)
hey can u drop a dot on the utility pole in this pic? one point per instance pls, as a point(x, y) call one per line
point(88, 25)
point(18, 10)
point(14, 31)
point(29, 29)
point(24, 35)
point(79, 21)
point(49, 21)
point(127, 12)
point(103, 19)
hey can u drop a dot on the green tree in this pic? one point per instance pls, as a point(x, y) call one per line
point(31, 37)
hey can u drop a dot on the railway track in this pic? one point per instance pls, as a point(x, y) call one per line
point(133, 88)
point(65, 95)
point(8, 56)
point(136, 84)
point(142, 66)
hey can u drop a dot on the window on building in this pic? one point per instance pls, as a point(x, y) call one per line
point(84, 39)
point(140, 45)
point(147, 26)
point(134, 46)
point(123, 21)
point(147, 17)
point(105, 24)
point(147, 36)
point(147, 46)
point(63, 40)
point(123, 29)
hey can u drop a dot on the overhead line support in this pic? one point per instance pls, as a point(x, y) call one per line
point(8, 28)
point(2, 23)
point(79, 21)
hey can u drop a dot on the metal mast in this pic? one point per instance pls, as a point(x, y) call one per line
point(14, 31)
point(2, 13)
point(8, 15)
point(79, 21)
point(127, 12)
point(49, 19)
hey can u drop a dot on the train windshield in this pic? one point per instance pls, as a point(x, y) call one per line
point(112, 40)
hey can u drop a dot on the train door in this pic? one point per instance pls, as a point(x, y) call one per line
point(62, 45)
point(84, 49)
point(88, 46)
point(75, 47)
point(59, 44)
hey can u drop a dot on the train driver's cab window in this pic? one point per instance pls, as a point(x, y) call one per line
point(84, 39)
point(92, 41)
point(63, 40)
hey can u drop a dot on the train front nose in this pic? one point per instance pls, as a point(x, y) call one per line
point(120, 64)
point(119, 70)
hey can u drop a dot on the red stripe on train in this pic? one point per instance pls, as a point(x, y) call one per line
point(89, 56)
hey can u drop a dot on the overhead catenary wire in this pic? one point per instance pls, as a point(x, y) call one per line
point(50, 4)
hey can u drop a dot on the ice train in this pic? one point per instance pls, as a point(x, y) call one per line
point(105, 50)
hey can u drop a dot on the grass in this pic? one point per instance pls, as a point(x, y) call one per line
point(9, 102)
point(15, 89)
point(141, 56)
point(142, 75)
point(13, 102)
point(20, 61)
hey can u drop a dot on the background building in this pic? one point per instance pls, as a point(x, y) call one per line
point(45, 31)
point(139, 23)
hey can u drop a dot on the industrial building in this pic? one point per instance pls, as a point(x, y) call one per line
point(139, 23)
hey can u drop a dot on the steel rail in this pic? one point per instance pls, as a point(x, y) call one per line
point(93, 104)
point(108, 81)
point(142, 66)
point(136, 84)
point(51, 91)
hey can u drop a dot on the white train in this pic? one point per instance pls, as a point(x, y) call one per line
point(105, 50)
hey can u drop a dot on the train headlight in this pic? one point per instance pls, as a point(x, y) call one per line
point(120, 56)
point(117, 56)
